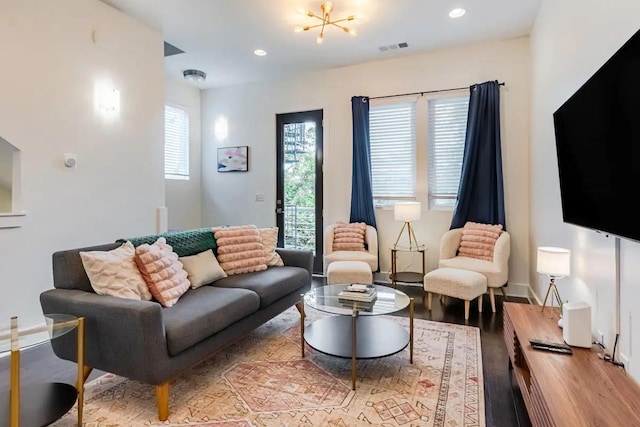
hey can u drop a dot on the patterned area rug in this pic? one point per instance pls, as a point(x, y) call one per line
point(263, 381)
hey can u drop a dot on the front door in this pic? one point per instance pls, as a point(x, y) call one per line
point(299, 182)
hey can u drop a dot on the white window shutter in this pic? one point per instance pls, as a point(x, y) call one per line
point(176, 143)
point(392, 131)
point(447, 126)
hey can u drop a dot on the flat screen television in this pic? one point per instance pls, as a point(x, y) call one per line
point(597, 133)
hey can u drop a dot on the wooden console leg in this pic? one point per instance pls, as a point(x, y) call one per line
point(467, 303)
point(492, 297)
point(162, 400)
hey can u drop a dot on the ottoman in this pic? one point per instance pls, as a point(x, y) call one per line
point(457, 283)
point(349, 272)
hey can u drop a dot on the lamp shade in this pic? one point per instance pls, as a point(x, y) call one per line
point(406, 211)
point(554, 261)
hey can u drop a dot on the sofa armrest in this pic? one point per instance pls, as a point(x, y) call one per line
point(122, 336)
point(297, 258)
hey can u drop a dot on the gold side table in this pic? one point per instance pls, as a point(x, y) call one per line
point(407, 276)
point(43, 403)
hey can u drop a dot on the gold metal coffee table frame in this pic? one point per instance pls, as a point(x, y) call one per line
point(60, 325)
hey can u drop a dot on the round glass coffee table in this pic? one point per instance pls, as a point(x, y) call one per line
point(357, 331)
point(46, 402)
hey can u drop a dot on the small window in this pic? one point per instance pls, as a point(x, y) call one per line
point(176, 143)
point(447, 129)
point(392, 131)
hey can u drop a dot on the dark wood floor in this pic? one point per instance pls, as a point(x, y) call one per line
point(503, 402)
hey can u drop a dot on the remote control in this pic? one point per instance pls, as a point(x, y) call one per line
point(561, 350)
point(551, 344)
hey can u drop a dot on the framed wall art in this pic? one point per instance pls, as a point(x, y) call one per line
point(233, 159)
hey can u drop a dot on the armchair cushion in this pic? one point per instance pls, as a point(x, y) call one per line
point(349, 237)
point(478, 240)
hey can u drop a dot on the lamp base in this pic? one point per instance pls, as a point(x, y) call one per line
point(413, 242)
point(552, 288)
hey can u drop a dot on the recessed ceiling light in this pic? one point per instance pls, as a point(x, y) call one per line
point(457, 12)
point(260, 52)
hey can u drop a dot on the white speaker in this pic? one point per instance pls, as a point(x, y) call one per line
point(576, 329)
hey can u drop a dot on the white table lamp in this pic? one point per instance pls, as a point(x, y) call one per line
point(407, 212)
point(555, 263)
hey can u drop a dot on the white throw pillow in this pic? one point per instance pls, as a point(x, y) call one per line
point(202, 268)
point(269, 238)
point(115, 273)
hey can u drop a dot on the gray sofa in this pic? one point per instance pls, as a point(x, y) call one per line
point(144, 341)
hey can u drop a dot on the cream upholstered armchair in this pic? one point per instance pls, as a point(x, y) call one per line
point(496, 271)
point(370, 255)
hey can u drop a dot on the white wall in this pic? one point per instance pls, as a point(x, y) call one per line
point(50, 67)
point(183, 197)
point(251, 109)
point(571, 40)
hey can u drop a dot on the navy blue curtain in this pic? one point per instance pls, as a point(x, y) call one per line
point(480, 194)
point(362, 209)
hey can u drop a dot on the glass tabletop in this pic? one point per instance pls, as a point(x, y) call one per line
point(47, 327)
point(325, 298)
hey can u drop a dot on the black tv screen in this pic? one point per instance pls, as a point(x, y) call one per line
point(597, 132)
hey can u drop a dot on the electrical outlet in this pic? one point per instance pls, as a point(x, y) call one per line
point(624, 359)
point(600, 337)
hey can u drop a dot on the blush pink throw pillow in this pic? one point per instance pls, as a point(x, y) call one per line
point(349, 236)
point(478, 240)
point(240, 249)
point(163, 272)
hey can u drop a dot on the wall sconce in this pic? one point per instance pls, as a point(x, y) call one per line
point(107, 100)
point(221, 128)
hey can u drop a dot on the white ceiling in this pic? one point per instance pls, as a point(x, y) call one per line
point(219, 36)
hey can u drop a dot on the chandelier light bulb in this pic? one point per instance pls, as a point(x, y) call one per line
point(298, 29)
point(320, 38)
point(327, 7)
point(302, 11)
point(353, 32)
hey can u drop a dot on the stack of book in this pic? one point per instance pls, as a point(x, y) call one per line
point(357, 292)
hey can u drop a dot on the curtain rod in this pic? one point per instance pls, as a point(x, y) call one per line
point(425, 92)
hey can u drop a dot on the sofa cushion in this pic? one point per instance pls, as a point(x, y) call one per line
point(184, 243)
point(269, 237)
point(240, 249)
point(164, 274)
point(202, 268)
point(202, 312)
point(270, 284)
point(115, 273)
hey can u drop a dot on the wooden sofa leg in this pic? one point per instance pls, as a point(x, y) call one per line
point(162, 400)
point(492, 297)
point(467, 303)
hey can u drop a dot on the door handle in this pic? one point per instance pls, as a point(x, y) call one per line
point(279, 210)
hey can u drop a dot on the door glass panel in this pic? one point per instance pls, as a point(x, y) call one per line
point(299, 185)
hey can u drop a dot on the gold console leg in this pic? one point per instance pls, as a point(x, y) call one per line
point(411, 313)
point(354, 364)
point(162, 400)
point(82, 369)
point(15, 376)
point(300, 307)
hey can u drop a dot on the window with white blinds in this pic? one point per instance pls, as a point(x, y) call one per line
point(176, 143)
point(447, 126)
point(392, 131)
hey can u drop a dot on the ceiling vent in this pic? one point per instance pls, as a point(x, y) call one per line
point(170, 49)
point(393, 47)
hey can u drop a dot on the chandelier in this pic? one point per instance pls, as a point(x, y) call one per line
point(327, 8)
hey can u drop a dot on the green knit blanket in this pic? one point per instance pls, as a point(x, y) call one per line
point(184, 243)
